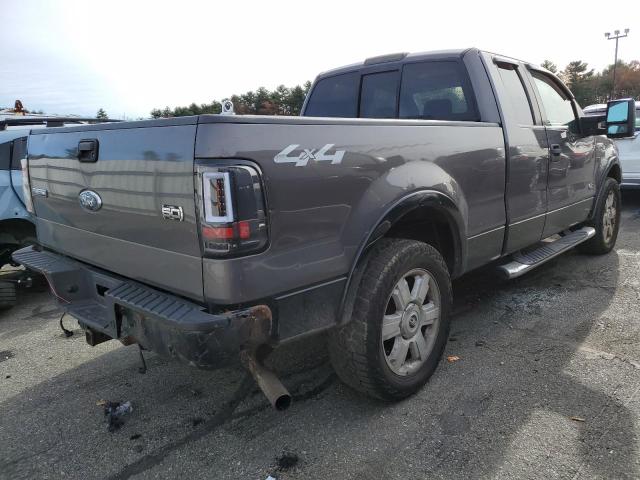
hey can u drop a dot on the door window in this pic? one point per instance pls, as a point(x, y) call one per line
point(516, 93)
point(557, 106)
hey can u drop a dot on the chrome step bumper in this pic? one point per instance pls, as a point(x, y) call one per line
point(521, 263)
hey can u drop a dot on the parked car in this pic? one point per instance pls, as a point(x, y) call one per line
point(17, 228)
point(628, 148)
point(207, 236)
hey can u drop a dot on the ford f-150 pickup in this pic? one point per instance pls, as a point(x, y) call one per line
point(206, 237)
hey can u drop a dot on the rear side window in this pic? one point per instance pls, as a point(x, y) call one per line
point(19, 152)
point(379, 95)
point(516, 93)
point(335, 96)
point(436, 91)
point(557, 106)
point(5, 155)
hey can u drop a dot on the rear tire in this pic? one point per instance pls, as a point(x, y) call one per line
point(7, 295)
point(400, 321)
point(606, 221)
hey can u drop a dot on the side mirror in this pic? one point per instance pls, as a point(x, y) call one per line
point(621, 118)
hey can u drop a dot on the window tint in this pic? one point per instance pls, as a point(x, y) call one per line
point(516, 93)
point(335, 96)
point(19, 152)
point(378, 97)
point(557, 106)
point(435, 91)
point(5, 155)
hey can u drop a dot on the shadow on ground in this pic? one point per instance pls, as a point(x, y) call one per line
point(532, 358)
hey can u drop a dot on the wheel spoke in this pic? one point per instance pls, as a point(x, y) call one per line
point(401, 294)
point(391, 325)
point(398, 355)
point(430, 314)
point(419, 349)
point(420, 289)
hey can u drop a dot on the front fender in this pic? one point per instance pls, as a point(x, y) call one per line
point(607, 161)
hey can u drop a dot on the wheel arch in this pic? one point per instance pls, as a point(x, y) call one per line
point(14, 230)
point(425, 215)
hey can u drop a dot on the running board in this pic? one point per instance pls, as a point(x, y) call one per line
point(522, 262)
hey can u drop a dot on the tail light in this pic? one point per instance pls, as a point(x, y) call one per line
point(232, 210)
point(26, 185)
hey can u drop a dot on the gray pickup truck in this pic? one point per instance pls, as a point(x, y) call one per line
point(214, 237)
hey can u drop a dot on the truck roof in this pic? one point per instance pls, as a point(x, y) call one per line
point(399, 58)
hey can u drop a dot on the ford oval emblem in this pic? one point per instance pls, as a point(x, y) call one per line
point(90, 200)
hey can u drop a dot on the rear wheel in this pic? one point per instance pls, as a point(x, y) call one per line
point(7, 295)
point(606, 221)
point(400, 321)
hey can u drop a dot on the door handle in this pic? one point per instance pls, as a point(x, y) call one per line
point(88, 150)
point(556, 150)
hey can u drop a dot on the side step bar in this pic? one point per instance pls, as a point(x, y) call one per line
point(522, 262)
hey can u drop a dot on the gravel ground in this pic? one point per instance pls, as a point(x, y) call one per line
point(547, 386)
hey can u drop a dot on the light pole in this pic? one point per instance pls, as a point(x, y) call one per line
point(616, 35)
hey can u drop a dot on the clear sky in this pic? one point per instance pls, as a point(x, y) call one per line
point(129, 56)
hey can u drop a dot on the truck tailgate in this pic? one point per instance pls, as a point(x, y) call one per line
point(137, 172)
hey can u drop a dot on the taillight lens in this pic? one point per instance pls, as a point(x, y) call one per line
point(233, 218)
point(26, 185)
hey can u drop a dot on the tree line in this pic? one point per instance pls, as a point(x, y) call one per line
point(590, 87)
point(281, 101)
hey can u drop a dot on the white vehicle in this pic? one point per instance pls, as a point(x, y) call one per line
point(628, 148)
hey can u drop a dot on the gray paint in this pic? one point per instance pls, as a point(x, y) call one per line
point(138, 170)
point(321, 214)
point(491, 177)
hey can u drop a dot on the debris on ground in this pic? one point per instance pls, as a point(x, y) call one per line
point(452, 358)
point(287, 461)
point(115, 412)
point(135, 436)
point(577, 419)
point(480, 343)
point(6, 355)
point(196, 421)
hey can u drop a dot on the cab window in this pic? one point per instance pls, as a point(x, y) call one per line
point(557, 106)
point(436, 90)
point(335, 96)
point(379, 95)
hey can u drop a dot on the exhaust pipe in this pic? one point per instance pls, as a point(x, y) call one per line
point(271, 386)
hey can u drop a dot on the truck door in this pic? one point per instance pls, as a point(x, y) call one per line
point(571, 186)
point(527, 154)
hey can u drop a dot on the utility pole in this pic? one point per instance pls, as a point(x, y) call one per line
point(616, 36)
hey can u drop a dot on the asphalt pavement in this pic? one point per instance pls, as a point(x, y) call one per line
point(547, 385)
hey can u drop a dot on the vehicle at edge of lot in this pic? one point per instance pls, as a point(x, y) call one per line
point(628, 148)
point(17, 228)
point(203, 237)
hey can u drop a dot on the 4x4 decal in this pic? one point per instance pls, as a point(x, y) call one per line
point(301, 160)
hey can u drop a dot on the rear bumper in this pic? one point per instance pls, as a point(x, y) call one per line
point(110, 307)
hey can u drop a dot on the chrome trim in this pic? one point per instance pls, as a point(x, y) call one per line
point(515, 269)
